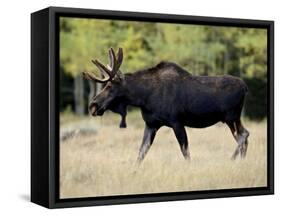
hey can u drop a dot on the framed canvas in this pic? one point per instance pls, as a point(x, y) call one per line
point(201, 89)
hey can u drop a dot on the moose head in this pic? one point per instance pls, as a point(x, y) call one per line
point(113, 80)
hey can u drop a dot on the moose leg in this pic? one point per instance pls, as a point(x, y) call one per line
point(182, 140)
point(148, 137)
point(241, 136)
point(123, 121)
point(232, 127)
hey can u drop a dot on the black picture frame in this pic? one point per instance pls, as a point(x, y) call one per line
point(45, 112)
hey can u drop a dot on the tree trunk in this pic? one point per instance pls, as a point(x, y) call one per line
point(92, 92)
point(99, 88)
point(79, 95)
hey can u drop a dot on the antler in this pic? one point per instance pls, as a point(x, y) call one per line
point(111, 71)
point(94, 78)
point(115, 64)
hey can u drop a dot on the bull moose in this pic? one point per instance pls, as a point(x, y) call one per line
point(170, 96)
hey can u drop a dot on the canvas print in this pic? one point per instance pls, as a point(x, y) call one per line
point(151, 107)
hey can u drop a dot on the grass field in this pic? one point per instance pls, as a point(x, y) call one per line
point(103, 163)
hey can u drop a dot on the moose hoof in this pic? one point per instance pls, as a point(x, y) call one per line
point(122, 126)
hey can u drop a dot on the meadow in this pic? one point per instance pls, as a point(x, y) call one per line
point(99, 158)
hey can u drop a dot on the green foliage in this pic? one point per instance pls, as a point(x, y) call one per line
point(201, 49)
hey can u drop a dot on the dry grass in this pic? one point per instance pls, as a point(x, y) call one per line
point(104, 163)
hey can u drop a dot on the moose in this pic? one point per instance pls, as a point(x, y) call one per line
point(168, 95)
